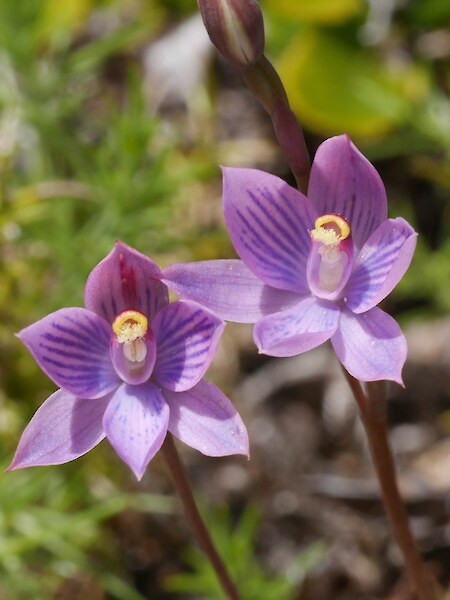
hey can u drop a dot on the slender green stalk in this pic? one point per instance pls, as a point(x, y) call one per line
point(196, 522)
point(372, 408)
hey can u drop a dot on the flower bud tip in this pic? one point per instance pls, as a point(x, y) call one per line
point(236, 28)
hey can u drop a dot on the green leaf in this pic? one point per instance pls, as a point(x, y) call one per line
point(316, 11)
point(335, 86)
point(430, 13)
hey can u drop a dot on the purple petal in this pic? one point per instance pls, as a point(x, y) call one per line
point(227, 288)
point(125, 280)
point(381, 264)
point(135, 424)
point(371, 346)
point(298, 329)
point(64, 428)
point(71, 346)
point(344, 182)
point(187, 336)
point(269, 224)
point(134, 372)
point(205, 419)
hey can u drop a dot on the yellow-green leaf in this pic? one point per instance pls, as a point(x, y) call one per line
point(335, 87)
point(315, 11)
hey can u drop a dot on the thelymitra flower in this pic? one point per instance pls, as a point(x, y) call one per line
point(313, 268)
point(130, 368)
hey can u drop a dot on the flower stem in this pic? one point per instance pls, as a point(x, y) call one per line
point(264, 82)
point(196, 522)
point(372, 408)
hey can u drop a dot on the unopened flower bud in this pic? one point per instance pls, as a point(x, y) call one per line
point(236, 28)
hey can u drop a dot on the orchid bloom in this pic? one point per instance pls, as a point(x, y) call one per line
point(313, 268)
point(130, 368)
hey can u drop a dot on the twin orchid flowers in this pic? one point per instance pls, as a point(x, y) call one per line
point(130, 364)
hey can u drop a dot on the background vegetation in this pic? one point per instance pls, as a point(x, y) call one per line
point(93, 148)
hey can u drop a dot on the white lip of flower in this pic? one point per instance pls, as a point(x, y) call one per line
point(330, 230)
point(130, 327)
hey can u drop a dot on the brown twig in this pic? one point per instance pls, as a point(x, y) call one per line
point(372, 408)
point(196, 522)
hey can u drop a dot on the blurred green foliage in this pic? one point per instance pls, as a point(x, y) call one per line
point(237, 542)
point(50, 530)
point(84, 161)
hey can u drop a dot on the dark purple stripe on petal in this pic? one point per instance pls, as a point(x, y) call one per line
point(58, 340)
point(72, 347)
point(269, 222)
point(278, 272)
point(186, 339)
point(71, 333)
point(380, 264)
point(303, 242)
point(197, 331)
point(96, 331)
point(135, 423)
point(269, 242)
point(178, 326)
point(285, 234)
point(67, 355)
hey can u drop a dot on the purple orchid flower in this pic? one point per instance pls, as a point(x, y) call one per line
point(130, 368)
point(312, 268)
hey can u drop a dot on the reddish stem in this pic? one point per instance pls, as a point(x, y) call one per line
point(196, 522)
point(372, 408)
point(264, 82)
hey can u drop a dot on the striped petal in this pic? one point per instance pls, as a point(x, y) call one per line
point(64, 428)
point(205, 419)
point(186, 336)
point(269, 224)
point(135, 423)
point(125, 280)
point(298, 329)
point(344, 182)
point(227, 288)
point(71, 346)
point(381, 264)
point(371, 346)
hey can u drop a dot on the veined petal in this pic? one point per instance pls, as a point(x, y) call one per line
point(139, 370)
point(62, 429)
point(269, 223)
point(187, 336)
point(135, 424)
point(371, 346)
point(298, 329)
point(227, 288)
point(206, 420)
point(344, 182)
point(71, 346)
point(381, 264)
point(125, 280)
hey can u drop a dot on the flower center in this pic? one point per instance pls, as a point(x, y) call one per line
point(330, 230)
point(130, 327)
point(330, 257)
